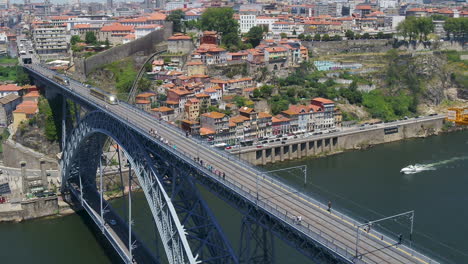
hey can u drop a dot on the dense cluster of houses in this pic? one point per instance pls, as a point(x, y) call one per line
point(17, 104)
point(190, 92)
point(251, 126)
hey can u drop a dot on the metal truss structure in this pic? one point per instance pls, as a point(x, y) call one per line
point(188, 230)
point(186, 226)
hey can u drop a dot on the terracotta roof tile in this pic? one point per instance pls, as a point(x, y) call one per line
point(214, 115)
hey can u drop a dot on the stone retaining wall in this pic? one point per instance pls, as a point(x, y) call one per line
point(331, 144)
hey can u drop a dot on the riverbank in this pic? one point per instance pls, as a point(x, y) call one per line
point(19, 211)
point(351, 139)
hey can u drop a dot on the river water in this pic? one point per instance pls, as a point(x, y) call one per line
point(365, 184)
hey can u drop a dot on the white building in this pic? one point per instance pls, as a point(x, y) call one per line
point(51, 42)
point(387, 3)
point(248, 19)
point(282, 27)
point(266, 21)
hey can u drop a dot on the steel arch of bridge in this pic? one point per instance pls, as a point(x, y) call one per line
point(196, 235)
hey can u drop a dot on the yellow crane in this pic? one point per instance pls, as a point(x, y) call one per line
point(458, 115)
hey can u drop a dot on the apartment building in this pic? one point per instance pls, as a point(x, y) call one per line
point(51, 42)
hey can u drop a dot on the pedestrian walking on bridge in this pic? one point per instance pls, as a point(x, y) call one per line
point(329, 206)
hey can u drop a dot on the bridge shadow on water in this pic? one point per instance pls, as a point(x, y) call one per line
point(99, 237)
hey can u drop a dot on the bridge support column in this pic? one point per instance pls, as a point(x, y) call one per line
point(299, 154)
point(256, 245)
point(307, 144)
point(64, 119)
point(24, 181)
point(45, 183)
point(282, 153)
point(263, 156)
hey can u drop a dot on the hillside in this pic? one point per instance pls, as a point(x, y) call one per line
point(42, 132)
point(385, 86)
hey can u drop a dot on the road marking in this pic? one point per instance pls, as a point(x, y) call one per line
point(309, 202)
point(334, 215)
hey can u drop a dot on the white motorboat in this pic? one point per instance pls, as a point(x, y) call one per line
point(409, 169)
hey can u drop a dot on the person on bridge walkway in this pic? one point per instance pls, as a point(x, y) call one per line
point(224, 176)
point(329, 206)
point(400, 238)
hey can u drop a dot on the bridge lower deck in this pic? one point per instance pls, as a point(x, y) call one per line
point(334, 230)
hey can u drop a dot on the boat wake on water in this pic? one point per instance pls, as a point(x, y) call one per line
point(416, 168)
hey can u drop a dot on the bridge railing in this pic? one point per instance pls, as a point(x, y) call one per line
point(305, 228)
point(281, 213)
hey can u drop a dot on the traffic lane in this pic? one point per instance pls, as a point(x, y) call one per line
point(170, 134)
point(322, 222)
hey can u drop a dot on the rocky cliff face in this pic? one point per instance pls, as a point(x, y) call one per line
point(31, 135)
point(435, 74)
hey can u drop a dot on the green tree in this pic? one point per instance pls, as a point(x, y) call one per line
point(107, 43)
point(294, 32)
point(232, 41)
point(301, 37)
point(380, 35)
point(416, 27)
point(366, 36)
point(257, 93)
point(349, 34)
point(255, 35)
point(176, 17)
point(221, 20)
point(337, 38)
point(326, 37)
point(317, 37)
point(148, 67)
point(22, 78)
point(424, 27)
point(291, 92)
point(308, 37)
point(50, 126)
point(438, 17)
point(240, 101)
point(90, 38)
point(266, 90)
point(283, 35)
point(458, 27)
point(75, 39)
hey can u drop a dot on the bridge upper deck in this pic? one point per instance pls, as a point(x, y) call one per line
point(332, 230)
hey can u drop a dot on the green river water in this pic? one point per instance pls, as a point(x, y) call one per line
point(365, 184)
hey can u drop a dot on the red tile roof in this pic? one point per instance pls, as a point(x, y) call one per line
point(215, 115)
point(179, 37)
point(10, 88)
point(27, 107)
point(323, 100)
point(116, 27)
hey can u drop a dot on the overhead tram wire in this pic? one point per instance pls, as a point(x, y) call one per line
point(382, 215)
point(214, 158)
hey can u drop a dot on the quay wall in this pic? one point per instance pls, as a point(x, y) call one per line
point(332, 144)
point(29, 209)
